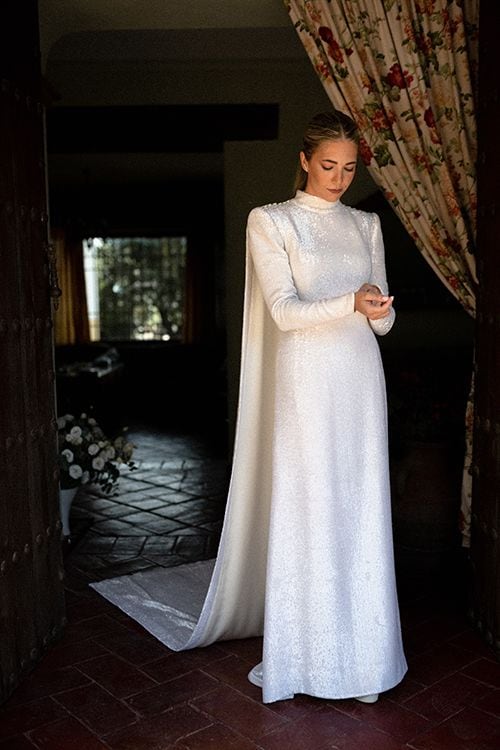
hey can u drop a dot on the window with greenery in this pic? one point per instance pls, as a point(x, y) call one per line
point(135, 287)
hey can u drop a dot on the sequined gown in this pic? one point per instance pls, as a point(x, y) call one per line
point(306, 554)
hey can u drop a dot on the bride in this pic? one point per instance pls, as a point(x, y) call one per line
point(306, 555)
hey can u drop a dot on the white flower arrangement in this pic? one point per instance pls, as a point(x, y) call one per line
point(87, 455)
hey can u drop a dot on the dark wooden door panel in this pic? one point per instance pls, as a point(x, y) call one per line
point(31, 590)
point(485, 548)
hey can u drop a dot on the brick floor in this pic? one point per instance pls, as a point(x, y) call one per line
point(109, 684)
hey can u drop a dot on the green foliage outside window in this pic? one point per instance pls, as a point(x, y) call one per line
point(136, 287)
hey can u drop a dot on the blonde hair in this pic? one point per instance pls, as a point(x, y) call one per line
point(325, 126)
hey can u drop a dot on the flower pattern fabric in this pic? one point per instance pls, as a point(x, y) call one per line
point(406, 71)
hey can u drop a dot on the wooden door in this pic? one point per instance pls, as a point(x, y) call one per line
point(31, 588)
point(485, 532)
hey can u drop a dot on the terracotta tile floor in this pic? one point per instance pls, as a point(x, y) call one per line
point(109, 684)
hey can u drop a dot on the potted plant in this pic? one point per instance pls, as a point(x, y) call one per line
point(86, 455)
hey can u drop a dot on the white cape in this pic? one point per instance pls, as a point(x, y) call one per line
point(196, 607)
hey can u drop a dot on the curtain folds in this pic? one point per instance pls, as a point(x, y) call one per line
point(406, 70)
point(71, 321)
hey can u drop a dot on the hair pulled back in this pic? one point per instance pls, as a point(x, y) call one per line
point(325, 126)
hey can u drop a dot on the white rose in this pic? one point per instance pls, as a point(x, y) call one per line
point(75, 471)
point(83, 416)
point(93, 449)
point(61, 423)
point(75, 432)
point(92, 421)
point(98, 463)
point(110, 452)
point(68, 455)
point(77, 441)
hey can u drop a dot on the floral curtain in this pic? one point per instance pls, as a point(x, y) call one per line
point(405, 69)
point(71, 322)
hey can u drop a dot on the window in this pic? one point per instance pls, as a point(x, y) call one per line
point(135, 287)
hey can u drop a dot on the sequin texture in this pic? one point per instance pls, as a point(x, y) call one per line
point(331, 624)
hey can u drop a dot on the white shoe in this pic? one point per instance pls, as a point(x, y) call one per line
point(367, 698)
point(255, 676)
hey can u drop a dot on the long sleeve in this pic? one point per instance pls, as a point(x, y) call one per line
point(272, 266)
point(378, 275)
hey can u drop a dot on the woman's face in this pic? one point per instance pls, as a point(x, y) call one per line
point(331, 168)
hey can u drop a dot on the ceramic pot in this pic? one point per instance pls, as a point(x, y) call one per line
point(66, 498)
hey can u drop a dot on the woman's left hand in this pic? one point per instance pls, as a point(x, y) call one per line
point(369, 301)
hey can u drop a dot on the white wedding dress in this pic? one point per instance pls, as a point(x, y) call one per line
point(306, 555)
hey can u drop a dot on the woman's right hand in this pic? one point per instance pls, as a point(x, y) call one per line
point(369, 301)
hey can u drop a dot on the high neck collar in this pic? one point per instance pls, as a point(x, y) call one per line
point(314, 201)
